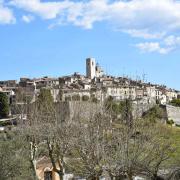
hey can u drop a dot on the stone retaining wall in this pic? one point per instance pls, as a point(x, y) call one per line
point(173, 113)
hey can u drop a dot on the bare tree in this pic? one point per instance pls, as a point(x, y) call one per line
point(49, 126)
point(137, 147)
point(89, 145)
point(92, 140)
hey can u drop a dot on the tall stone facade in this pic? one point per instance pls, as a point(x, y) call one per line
point(90, 68)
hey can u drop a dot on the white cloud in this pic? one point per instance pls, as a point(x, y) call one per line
point(147, 19)
point(91, 12)
point(144, 33)
point(153, 47)
point(27, 18)
point(135, 16)
point(6, 15)
point(172, 40)
point(164, 46)
point(47, 10)
point(156, 15)
point(78, 13)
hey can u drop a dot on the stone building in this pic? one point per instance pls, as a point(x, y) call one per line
point(8, 83)
point(120, 92)
point(99, 71)
point(171, 94)
point(92, 69)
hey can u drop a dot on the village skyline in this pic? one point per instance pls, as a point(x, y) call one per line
point(90, 89)
point(136, 77)
point(40, 38)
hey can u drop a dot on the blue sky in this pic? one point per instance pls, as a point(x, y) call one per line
point(54, 37)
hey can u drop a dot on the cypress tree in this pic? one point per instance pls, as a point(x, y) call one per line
point(4, 105)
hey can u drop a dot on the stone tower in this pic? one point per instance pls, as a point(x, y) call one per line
point(91, 68)
point(99, 71)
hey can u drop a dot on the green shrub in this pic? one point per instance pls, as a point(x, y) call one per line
point(175, 102)
point(4, 105)
point(155, 114)
point(170, 122)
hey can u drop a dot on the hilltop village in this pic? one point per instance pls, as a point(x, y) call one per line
point(96, 85)
point(68, 129)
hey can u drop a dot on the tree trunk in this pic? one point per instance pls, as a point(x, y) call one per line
point(53, 161)
point(111, 176)
point(61, 166)
point(33, 160)
point(96, 178)
point(61, 175)
point(33, 163)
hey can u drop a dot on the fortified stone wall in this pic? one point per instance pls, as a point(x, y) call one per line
point(142, 106)
point(82, 110)
point(173, 113)
point(73, 109)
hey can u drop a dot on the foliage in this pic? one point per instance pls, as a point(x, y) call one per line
point(175, 136)
point(45, 99)
point(116, 109)
point(175, 102)
point(105, 139)
point(158, 101)
point(61, 93)
point(170, 122)
point(4, 106)
point(139, 147)
point(14, 157)
point(155, 114)
point(89, 144)
point(108, 104)
point(125, 109)
point(45, 96)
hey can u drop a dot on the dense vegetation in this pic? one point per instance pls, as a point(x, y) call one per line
point(155, 114)
point(4, 106)
point(176, 102)
point(108, 140)
point(14, 157)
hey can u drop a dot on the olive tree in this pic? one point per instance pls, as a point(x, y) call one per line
point(14, 156)
point(48, 128)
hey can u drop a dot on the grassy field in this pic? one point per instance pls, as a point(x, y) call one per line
point(175, 136)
